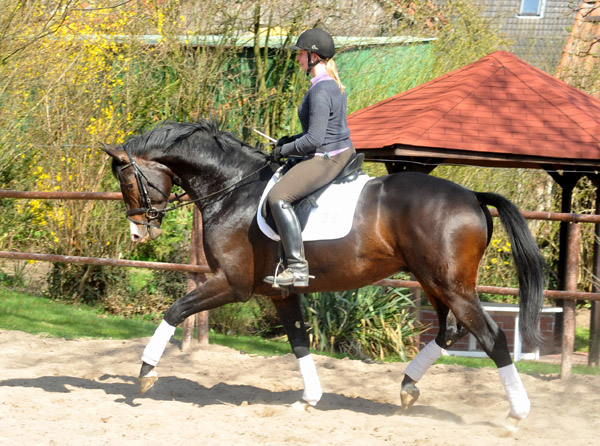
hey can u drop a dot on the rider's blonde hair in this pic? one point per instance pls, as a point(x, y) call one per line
point(333, 72)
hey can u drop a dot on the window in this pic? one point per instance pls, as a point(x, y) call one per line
point(531, 8)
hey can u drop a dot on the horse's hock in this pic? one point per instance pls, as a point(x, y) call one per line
point(507, 318)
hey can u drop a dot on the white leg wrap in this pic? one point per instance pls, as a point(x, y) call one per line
point(418, 366)
point(312, 387)
point(156, 347)
point(515, 391)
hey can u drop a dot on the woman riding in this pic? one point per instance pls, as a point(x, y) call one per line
point(325, 140)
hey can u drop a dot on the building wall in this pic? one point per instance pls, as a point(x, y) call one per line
point(505, 322)
point(579, 64)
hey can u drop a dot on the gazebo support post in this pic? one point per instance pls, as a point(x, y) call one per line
point(594, 343)
point(567, 181)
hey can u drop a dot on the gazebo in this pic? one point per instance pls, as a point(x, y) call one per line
point(496, 112)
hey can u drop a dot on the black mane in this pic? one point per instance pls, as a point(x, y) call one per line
point(169, 134)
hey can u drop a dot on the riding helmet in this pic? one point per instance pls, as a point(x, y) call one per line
point(316, 41)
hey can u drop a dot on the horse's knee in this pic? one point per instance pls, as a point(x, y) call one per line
point(175, 315)
point(298, 339)
point(201, 299)
point(450, 335)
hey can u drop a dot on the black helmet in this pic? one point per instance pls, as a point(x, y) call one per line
point(316, 41)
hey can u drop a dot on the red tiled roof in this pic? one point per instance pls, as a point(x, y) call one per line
point(498, 104)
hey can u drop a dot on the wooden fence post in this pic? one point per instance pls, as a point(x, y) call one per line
point(572, 271)
point(200, 320)
point(416, 297)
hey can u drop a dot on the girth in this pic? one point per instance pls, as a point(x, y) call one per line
point(304, 206)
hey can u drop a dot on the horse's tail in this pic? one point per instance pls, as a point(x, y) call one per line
point(529, 263)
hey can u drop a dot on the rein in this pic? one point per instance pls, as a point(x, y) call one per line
point(151, 212)
point(212, 194)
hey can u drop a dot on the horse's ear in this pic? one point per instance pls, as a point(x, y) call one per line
point(115, 152)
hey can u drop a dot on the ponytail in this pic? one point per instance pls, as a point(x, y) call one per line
point(333, 73)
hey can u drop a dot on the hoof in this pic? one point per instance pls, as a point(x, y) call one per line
point(302, 406)
point(146, 382)
point(512, 423)
point(409, 395)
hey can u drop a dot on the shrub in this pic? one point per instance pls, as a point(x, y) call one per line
point(371, 322)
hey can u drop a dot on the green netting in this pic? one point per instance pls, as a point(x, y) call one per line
point(374, 73)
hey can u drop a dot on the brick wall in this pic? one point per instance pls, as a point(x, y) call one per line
point(504, 321)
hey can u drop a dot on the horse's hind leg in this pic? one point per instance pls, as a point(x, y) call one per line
point(511, 381)
point(493, 341)
point(289, 311)
point(449, 332)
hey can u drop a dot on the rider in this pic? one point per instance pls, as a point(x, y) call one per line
point(325, 140)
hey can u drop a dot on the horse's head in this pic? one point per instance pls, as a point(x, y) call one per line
point(146, 187)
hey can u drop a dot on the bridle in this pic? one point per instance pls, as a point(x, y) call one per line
point(149, 210)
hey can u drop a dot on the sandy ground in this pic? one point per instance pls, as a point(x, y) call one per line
point(84, 392)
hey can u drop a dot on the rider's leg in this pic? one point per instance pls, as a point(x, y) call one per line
point(301, 180)
point(296, 272)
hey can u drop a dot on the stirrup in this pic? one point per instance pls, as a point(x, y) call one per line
point(288, 278)
point(273, 279)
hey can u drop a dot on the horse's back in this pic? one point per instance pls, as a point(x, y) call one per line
point(422, 217)
point(409, 194)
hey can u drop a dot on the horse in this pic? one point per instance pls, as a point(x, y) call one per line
point(433, 228)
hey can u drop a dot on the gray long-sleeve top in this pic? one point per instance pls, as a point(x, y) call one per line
point(322, 114)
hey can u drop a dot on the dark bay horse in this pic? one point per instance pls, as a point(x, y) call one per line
point(433, 228)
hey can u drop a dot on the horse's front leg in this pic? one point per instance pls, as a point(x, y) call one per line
point(215, 292)
point(289, 310)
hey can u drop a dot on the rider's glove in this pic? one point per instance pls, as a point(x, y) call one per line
point(276, 153)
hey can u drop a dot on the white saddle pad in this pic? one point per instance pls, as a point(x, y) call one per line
point(331, 219)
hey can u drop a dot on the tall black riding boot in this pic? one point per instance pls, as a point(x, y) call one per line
point(296, 272)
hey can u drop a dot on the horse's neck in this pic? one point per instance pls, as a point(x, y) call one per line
point(216, 185)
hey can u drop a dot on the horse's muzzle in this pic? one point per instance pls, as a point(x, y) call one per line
point(141, 233)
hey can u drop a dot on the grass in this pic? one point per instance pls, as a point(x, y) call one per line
point(529, 367)
point(38, 315)
point(251, 344)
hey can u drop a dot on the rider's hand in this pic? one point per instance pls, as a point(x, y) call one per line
point(276, 153)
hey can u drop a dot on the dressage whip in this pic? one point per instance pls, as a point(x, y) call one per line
point(264, 135)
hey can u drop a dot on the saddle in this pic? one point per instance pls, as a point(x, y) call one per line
point(304, 206)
